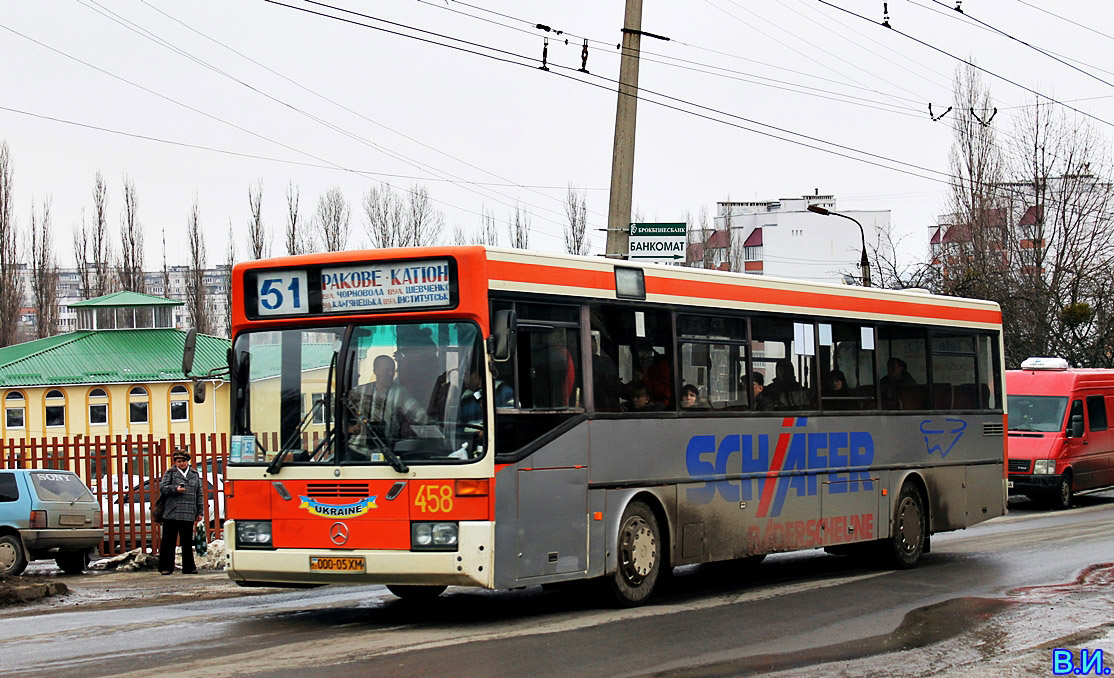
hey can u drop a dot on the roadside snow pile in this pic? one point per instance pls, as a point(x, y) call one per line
point(16, 590)
point(135, 559)
point(212, 560)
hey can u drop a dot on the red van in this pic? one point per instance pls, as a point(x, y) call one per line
point(1059, 441)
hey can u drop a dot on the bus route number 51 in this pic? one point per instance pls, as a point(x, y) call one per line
point(282, 293)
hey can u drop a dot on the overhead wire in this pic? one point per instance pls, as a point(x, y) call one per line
point(557, 68)
point(1031, 46)
point(966, 61)
point(1063, 18)
point(378, 147)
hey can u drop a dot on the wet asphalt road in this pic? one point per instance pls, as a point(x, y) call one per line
point(991, 600)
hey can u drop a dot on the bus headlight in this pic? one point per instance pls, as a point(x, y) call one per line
point(1044, 467)
point(433, 536)
point(253, 534)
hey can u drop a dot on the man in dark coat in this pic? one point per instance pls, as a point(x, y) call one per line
point(181, 485)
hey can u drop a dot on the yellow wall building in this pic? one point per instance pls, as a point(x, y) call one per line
point(119, 375)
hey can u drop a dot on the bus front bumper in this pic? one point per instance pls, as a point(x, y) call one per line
point(470, 565)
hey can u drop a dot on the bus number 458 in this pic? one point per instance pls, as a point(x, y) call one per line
point(434, 498)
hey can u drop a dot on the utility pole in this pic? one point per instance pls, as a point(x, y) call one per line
point(622, 158)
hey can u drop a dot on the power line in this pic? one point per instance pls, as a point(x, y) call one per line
point(390, 153)
point(965, 61)
point(1027, 44)
point(253, 156)
point(642, 91)
point(1063, 18)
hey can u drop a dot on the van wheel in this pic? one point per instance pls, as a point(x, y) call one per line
point(639, 554)
point(13, 559)
point(72, 562)
point(904, 547)
point(412, 592)
point(1062, 497)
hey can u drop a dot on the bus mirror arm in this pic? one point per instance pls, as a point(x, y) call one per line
point(504, 335)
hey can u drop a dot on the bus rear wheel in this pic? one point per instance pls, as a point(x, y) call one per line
point(904, 547)
point(413, 592)
point(639, 555)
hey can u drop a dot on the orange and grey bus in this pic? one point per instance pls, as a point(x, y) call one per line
point(499, 418)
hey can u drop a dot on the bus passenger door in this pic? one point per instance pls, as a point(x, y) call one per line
point(552, 521)
point(849, 507)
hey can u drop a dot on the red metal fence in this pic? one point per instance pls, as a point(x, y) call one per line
point(123, 473)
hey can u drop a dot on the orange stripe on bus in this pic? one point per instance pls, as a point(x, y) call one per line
point(703, 291)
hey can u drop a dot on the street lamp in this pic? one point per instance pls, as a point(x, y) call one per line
point(864, 263)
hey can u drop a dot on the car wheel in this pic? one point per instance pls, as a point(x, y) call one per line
point(1064, 493)
point(904, 547)
point(640, 556)
point(412, 592)
point(72, 562)
point(13, 559)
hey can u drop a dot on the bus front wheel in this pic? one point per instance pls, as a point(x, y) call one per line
point(639, 556)
point(412, 592)
point(906, 544)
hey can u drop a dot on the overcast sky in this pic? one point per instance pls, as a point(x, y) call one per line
point(322, 103)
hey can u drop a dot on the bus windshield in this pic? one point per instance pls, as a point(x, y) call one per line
point(397, 394)
point(1035, 413)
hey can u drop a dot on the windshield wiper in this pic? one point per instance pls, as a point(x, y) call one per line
point(396, 463)
point(276, 463)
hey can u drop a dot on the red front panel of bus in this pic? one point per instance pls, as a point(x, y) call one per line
point(373, 521)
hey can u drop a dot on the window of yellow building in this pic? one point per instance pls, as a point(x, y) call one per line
point(98, 407)
point(15, 410)
point(179, 403)
point(137, 405)
point(55, 409)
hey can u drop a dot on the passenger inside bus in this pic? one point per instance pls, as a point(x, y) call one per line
point(387, 405)
point(784, 392)
point(642, 401)
point(897, 377)
point(691, 398)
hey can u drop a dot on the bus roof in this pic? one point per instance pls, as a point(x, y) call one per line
point(513, 270)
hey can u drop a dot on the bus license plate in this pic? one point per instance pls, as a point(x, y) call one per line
point(337, 564)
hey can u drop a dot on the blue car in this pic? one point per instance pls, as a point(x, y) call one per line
point(45, 514)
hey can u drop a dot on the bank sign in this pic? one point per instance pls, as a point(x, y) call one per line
point(657, 243)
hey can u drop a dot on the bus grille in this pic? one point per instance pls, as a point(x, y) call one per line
point(995, 429)
point(1019, 466)
point(355, 490)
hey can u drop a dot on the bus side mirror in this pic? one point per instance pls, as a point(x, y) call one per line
point(188, 350)
point(504, 335)
point(199, 392)
point(1076, 426)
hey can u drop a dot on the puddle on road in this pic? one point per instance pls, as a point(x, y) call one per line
point(921, 627)
point(1092, 578)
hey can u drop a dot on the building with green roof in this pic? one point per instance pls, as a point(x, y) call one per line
point(120, 373)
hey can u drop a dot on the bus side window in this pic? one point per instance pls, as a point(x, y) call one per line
point(713, 356)
point(847, 367)
point(783, 353)
point(954, 361)
point(639, 345)
point(904, 359)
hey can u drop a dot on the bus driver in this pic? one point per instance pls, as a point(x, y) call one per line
point(384, 402)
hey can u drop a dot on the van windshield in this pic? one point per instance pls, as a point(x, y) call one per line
point(1035, 413)
point(59, 486)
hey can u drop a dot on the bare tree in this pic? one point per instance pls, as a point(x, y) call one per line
point(384, 216)
point(197, 301)
point(11, 283)
point(99, 244)
point(44, 272)
point(131, 241)
point(489, 229)
point(165, 267)
point(460, 236)
point(297, 240)
point(81, 239)
point(518, 228)
point(576, 231)
point(424, 222)
point(332, 219)
point(258, 241)
point(230, 259)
